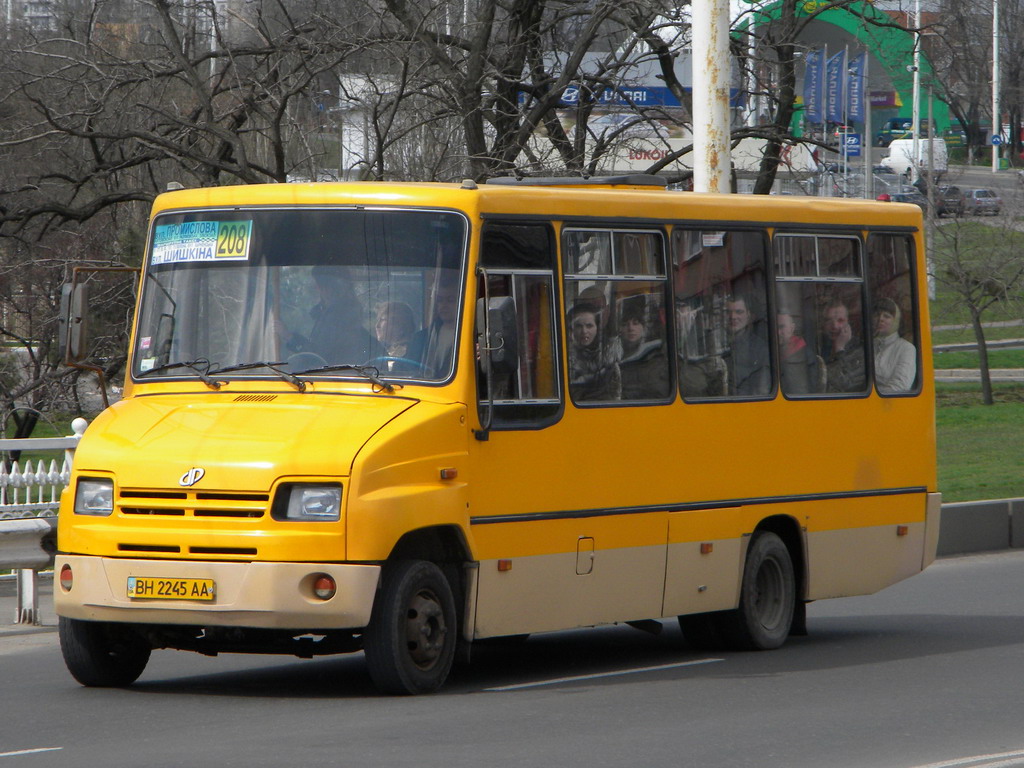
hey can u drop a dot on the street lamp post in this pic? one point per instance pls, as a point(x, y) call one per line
point(997, 119)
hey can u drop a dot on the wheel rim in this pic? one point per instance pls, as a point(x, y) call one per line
point(425, 629)
point(769, 595)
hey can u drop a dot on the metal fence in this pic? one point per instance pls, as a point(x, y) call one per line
point(29, 499)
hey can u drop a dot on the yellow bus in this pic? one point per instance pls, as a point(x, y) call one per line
point(401, 418)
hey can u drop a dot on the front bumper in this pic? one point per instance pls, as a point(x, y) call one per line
point(255, 594)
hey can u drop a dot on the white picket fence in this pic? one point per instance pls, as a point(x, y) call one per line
point(29, 499)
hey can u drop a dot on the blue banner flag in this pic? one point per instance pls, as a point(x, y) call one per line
point(814, 73)
point(855, 91)
point(834, 82)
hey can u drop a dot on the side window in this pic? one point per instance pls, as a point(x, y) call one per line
point(517, 371)
point(721, 306)
point(819, 314)
point(894, 321)
point(615, 291)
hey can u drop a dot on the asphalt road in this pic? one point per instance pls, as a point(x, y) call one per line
point(926, 673)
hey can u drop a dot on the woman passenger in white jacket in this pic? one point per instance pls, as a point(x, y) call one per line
point(895, 357)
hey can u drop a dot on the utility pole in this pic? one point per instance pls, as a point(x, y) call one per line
point(712, 161)
point(997, 118)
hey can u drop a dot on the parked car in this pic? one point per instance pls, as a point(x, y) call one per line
point(910, 195)
point(949, 201)
point(982, 201)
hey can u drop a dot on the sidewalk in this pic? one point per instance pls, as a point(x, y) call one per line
point(947, 375)
point(9, 607)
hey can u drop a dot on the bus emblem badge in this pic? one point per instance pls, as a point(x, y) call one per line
point(192, 477)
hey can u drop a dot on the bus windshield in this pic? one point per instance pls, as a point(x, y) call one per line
point(301, 291)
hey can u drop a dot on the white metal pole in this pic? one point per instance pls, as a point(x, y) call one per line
point(997, 117)
point(867, 143)
point(916, 119)
point(712, 160)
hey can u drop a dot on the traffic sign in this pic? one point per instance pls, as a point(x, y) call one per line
point(996, 139)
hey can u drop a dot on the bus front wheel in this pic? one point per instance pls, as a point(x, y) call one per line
point(767, 597)
point(101, 654)
point(410, 642)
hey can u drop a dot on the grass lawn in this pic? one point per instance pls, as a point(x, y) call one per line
point(997, 358)
point(964, 335)
point(980, 448)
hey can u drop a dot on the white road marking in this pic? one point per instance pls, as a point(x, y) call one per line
point(30, 751)
point(617, 673)
point(995, 760)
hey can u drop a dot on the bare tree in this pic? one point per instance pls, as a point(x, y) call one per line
point(980, 265)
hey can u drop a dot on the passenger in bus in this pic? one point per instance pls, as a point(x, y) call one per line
point(747, 359)
point(337, 334)
point(438, 340)
point(643, 367)
point(395, 329)
point(592, 376)
point(842, 351)
point(895, 357)
point(595, 297)
point(798, 365)
point(700, 374)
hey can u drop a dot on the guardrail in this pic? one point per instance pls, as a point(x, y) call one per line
point(29, 499)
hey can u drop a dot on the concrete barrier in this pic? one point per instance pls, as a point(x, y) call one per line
point(981, 526)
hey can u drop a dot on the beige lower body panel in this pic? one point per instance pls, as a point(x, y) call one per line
point(544, 593)
point(862, 561)
point(269, 595)
point(698, 583)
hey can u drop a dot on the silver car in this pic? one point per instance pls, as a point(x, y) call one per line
point(982, 201)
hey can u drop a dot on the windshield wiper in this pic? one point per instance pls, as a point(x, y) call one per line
point(366, 371)
point(192, 365)
point(291, 378)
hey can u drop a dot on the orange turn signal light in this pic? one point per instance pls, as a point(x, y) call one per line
point(325, 587)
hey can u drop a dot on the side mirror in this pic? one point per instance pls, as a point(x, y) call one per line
point(499, 340)
point(73, 331)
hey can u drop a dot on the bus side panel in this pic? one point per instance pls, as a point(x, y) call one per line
point(696, 581)
point(859, 546)
point(561, 574)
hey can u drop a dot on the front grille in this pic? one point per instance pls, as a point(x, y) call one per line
point(207, 504)
point(222, 551)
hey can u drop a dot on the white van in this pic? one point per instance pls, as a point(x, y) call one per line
point(901, 156)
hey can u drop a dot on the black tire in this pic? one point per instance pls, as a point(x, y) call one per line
point(767, 598)
point(101, 654)
point(410, 643)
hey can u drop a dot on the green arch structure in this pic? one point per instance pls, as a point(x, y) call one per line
point(890, 47)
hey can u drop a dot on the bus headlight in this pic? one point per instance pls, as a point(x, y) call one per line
point(94, 496)
point(313, 502)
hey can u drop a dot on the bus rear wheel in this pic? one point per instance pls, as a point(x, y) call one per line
point(767, 598)
point(410, 643)
point(101, 654)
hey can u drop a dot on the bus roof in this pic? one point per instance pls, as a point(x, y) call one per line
point(616, 198)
